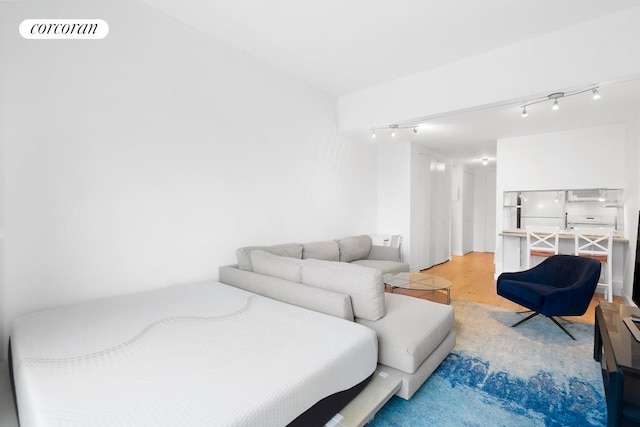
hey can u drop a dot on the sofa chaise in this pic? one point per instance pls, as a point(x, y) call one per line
point(343, 278)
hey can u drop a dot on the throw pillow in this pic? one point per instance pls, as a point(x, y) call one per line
point(276, 266)
point(364, 285)
point(354, 248)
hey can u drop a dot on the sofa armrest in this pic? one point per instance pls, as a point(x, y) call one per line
point(384, 253)
point(316, 299)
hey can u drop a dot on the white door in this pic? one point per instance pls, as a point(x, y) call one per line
point(432, 197)
point(443, 207)
point(484, 202)
point(467, 212)
point(424, 222)
point(440, 209)
point(490, 217)
point(479, 211)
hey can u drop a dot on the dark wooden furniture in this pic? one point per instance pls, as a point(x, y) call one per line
point(619, 355)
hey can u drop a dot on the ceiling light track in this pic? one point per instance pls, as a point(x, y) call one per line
point(394, 129)
point(557, 95)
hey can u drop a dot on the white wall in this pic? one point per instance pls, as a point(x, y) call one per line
point(394, 192)
point(568, 58)
point(145, 159)
point(580, 158)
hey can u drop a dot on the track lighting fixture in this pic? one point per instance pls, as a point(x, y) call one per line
point(394, 129)
point(555, 96)
point(485, 161)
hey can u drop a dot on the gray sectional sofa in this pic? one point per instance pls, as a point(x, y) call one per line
point(343, 278)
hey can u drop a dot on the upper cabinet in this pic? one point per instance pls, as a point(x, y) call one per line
point(566, 209)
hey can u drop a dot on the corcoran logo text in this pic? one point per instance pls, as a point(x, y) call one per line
point(56, 29)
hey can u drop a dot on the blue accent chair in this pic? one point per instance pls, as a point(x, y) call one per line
point(561, 285)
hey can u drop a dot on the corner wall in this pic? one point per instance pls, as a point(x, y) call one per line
point(145, 159)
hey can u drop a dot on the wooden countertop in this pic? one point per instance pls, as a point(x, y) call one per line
point(520, 232)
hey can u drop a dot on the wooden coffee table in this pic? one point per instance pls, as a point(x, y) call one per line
point(419, 282)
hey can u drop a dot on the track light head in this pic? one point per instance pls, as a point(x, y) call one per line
point(415, 129)
point(485, 161)
point(393, 130)
point(556, 95)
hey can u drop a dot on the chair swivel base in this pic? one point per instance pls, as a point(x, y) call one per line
point(552, 319)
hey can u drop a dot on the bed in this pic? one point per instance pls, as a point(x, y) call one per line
point(200, 354)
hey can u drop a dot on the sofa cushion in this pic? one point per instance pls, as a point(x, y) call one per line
point(321, 300)
point(364, 285)
point(354, 248)
point(384, 266)
point(385, 253)
point(328, 250)
point(412, 329)
point(277, 266)
point(293, 250)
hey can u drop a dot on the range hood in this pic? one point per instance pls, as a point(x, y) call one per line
point(591, 221)
point(593, 195)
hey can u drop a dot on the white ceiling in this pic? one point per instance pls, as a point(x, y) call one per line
point(468, 137)
point(343, 46)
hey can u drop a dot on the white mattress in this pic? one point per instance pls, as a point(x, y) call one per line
point(203, 354)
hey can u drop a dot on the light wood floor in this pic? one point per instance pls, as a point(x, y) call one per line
point(472, 279)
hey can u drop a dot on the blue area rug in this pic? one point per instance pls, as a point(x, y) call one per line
point(532, 375)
